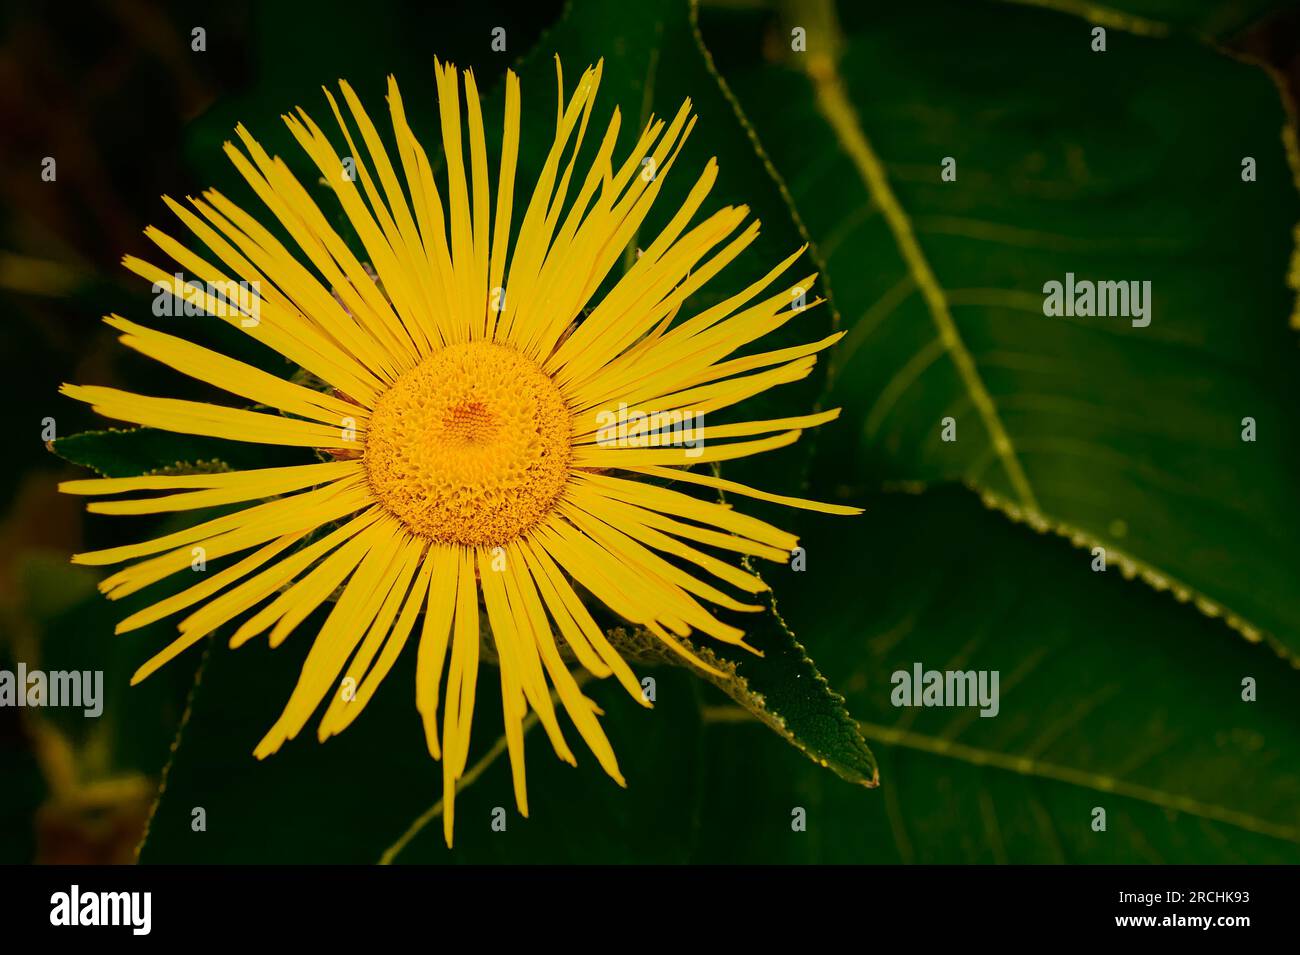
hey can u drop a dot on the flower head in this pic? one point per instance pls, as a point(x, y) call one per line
point(471, 417)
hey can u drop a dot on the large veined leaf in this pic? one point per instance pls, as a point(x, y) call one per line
point(1122, 165)
point(1111, 696)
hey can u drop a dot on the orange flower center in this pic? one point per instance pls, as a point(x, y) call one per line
point(471, 446)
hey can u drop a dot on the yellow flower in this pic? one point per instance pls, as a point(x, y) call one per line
point(479, 436)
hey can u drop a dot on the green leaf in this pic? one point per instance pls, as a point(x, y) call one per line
point(783, 689)
point(1123, 165)
point(128, 452)
point(1110, 696)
